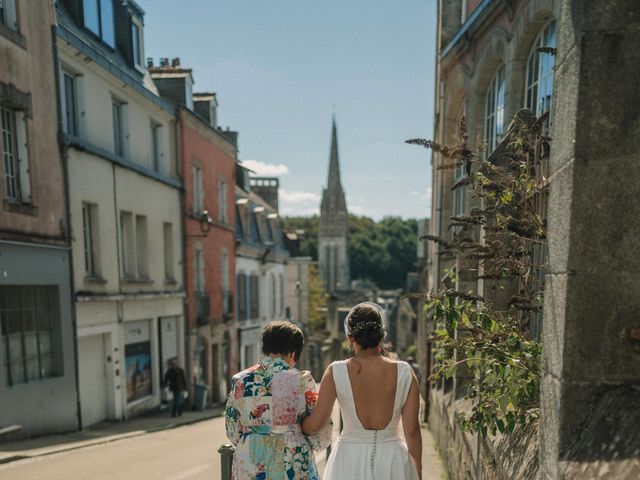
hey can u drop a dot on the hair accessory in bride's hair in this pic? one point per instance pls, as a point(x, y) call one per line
point(350, 330)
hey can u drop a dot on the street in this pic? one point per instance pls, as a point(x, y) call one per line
point(183, 453)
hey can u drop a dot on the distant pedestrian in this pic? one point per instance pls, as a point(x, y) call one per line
point(175, 379)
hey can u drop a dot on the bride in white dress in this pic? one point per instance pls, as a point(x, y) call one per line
point(374, 394)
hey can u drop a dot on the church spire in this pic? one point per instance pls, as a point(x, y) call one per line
point(333, 182)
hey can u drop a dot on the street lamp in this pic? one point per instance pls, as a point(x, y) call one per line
point(205, 224)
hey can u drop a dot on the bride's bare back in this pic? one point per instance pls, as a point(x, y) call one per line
point(373, 382)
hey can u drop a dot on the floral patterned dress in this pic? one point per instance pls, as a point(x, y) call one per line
point(266, 405)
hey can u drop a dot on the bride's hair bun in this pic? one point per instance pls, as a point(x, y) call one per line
point(365, 325)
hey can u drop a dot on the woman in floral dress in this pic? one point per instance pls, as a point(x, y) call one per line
point(267, 403)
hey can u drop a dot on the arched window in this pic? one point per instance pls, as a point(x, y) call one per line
point(539, 86)
point(459, 193)
point(494, 111)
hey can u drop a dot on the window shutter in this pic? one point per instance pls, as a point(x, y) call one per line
point(23, 156)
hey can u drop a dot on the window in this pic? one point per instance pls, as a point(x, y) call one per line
point(539, 88)
point(137, 44)
point(30, 319)
point(155, 146)
point(8, 14)
point(222, 201)
point(224, 272)
point(128, 245)
point(91, 236)
point(458, 193)
point(255, 296)
point(198, 193)
point(241, 292)
point(199, 270)
point(272, 289)
point(494, 111)
point(70, 104)
point(98, 18)
point(14, 153)
point(142, 247)
point(118, 132)
point(167, 234)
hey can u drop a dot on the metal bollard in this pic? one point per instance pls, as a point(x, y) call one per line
point(226, 452)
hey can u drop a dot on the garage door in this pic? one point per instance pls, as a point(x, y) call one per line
point(93, 380)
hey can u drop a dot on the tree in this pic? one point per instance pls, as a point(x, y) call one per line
point(490, 338)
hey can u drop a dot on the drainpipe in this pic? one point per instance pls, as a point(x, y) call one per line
point(64, 157)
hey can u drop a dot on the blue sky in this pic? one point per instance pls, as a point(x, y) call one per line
point(281, 67)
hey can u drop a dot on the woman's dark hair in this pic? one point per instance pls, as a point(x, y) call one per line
point(282, 338)
point(365, 325)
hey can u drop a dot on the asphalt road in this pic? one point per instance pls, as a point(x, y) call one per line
point(184, 453)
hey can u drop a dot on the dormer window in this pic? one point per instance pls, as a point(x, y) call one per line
point(98, 18)
point(137, 44)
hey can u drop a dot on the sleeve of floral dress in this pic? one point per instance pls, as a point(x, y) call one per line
point(232, 415)
point(322, 439)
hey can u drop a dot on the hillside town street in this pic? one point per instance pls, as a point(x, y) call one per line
point(188, 452)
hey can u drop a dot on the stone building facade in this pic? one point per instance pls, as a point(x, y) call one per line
point(37, 349)
point(125, 206)
point(207, 168)
point(488, 68)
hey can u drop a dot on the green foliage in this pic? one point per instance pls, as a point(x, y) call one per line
point(317, 300)
point(479, 332)
point(380, 252)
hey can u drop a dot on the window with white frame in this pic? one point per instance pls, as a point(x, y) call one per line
point(222, 201)
point(127, 244)
point(142, 247)
point(98, 18)
point(15, 155)
point(539, 84)
point(137, 43)
point(117, 114)
point(494, 111)
point(198, 191)
point(8, 16)
point(91, 237)
point(155, 131)
point(167, 234)
point(70, 103)
point(29, 324)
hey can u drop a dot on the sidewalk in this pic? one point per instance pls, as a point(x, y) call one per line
point(99, 434)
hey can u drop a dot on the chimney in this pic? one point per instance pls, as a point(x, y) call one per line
point(175, 62)
point(267, 189)
point(149, 62)
point(164, 62)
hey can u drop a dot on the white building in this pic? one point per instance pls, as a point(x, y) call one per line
point(260, 268)
point(125, 208)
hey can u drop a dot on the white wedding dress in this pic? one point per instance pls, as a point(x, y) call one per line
point(361, 454)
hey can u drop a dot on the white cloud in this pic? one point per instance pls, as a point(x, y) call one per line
point(263, 169)
point(296, 202)
point(289, 196)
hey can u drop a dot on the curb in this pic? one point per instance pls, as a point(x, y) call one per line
point(108, 439)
